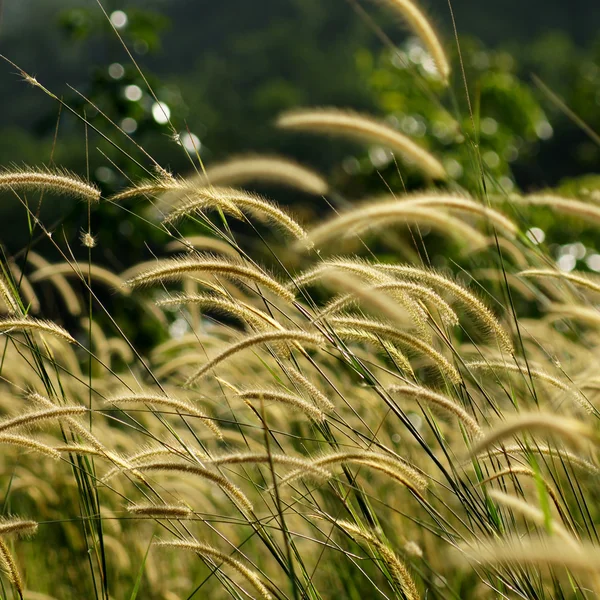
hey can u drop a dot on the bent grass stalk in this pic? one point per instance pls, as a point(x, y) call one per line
point(566, 206)
point(296, 335)
point(515, 471)
point(565, 456)
point(263, 168)
point(241, 201)
point(578, 279)
point(69, 297)
point(502, 367)
point(534, 552)
point(276, 459)
point(361, 127)
point(229, 488)
point(382, 215)
point(202, 242)
point(570, 430)
point(418, 22)
point(175, 269)
point(405, 339)
point(96, 272)
point(395, 468)
point(468, 300)
point(410, 289)
point(357, 335)
point(207, 551)
point(440, 401)
point(10, 567)
point(534, 514)
point(398, 569)
point(279, 397)
point(35, 325)
point(182, 406)
point(30, 444)
point(56, 181)
point(36, 417)
point(242, 310)
point(160, 511)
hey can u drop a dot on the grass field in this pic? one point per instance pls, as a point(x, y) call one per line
point(394, 399)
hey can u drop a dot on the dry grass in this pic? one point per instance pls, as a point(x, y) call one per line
point(342, 426)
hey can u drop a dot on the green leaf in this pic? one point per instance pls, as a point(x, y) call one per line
point(138, 581)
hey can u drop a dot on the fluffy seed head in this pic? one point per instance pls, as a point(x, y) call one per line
point(362, 127)
point(56, 181)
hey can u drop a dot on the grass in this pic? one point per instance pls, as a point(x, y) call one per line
point(327, 413)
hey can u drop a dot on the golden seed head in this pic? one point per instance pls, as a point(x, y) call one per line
point(87, 239)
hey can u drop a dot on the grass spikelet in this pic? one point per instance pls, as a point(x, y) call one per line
point(80, 449)
point(253, 204)
point(207, 551)
point(30, 444)
point(128, 463)
point(295, 335)
point(566, 206)
point(397, 568)
point(578, 279)
point(47, 414)
point(242, 310)
point(534, 514)
point(30, 299)
point(8, 297)
point(359, 267)
point(36, 325)
point(17, 527)
point(280, 397)
point(60, 283)
point(503, 278)
point(119, 347)
point(175, 269)
point(572, 430)
point(229, 488)
point(149, 188)
point(500, 367)
point(264, 168)
point(56, 181)
point(395, 468)
point(469, 300)
point(424, 293)
point(405, 339)
point(583, 314)
point(303, 383)
point(385, 214)
point(441, 401)
point(338, 280)
point(202, 242)
point(356, 335)
point(564, 456)
point(514, 471)
point(534, 552)
point(87, 239)
point(277, 459)
point(421, 26)
point(183, 406)
point(466, 205)
point(361, 127)
point(97, 273)
point(10, 567)
point(75, 426)
point(160, 511)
